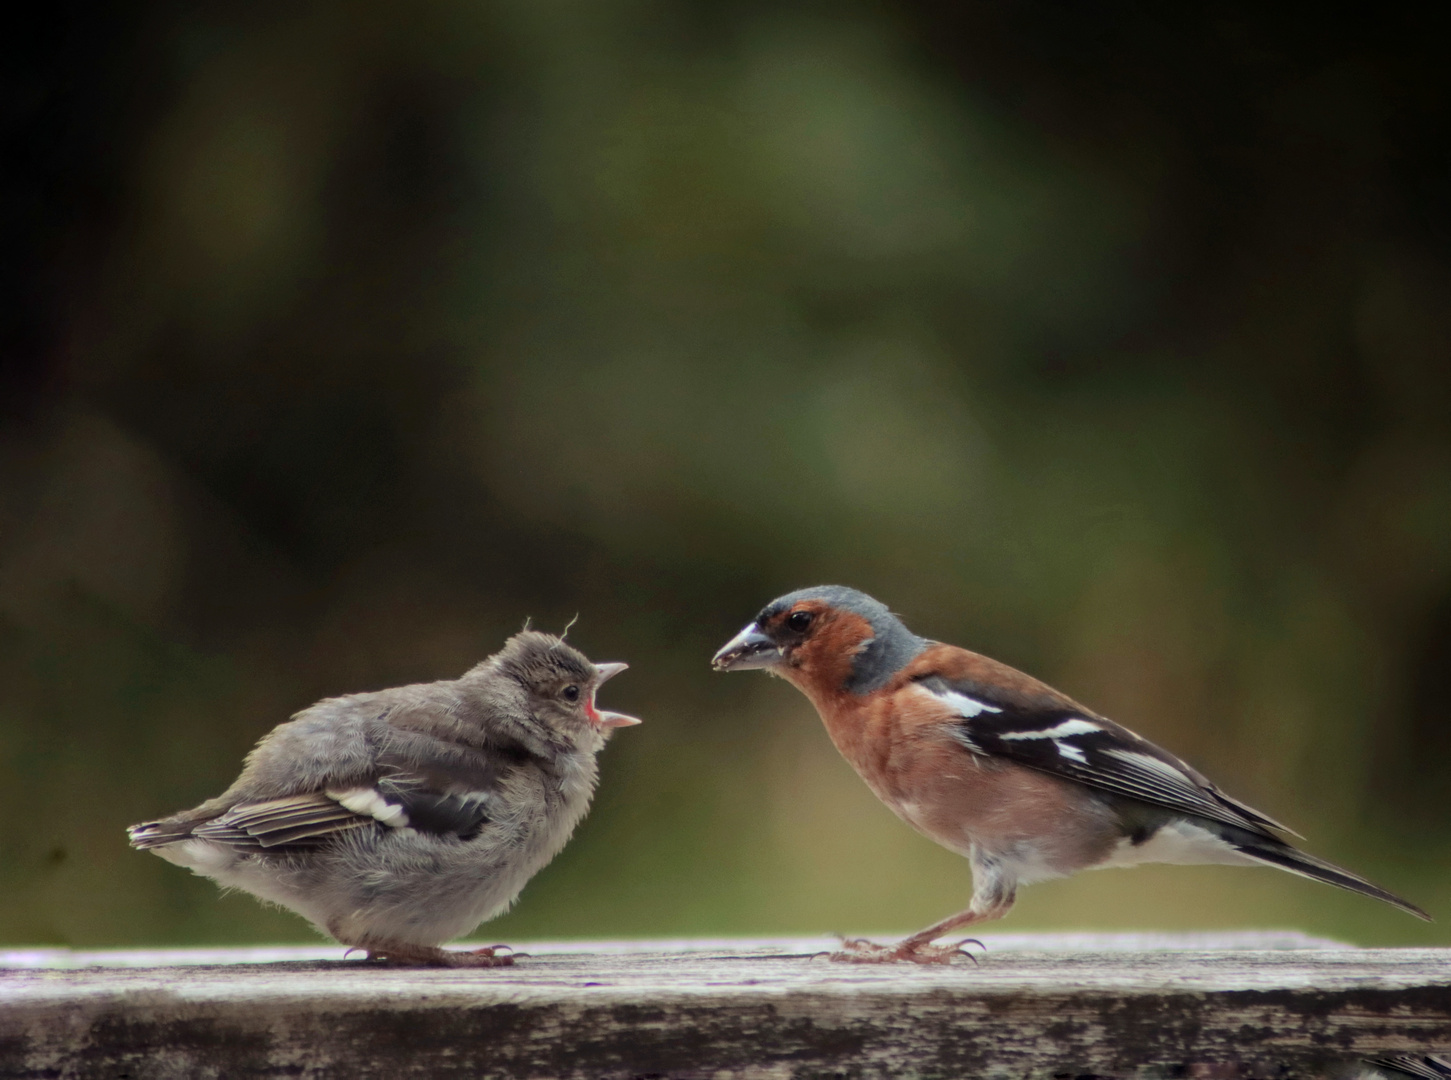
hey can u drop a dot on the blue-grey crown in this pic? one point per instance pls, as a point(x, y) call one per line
point(892, 645)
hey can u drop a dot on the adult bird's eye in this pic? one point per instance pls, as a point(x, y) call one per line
point(571, 693)
point(799, 621)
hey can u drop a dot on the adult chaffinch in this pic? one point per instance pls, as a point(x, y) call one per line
point(400, 819)
point(997, 766)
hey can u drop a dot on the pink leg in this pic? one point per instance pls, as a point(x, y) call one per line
point(918, 949)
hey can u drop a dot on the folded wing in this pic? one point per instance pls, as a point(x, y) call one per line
point(1054, 737)
point(401, 800)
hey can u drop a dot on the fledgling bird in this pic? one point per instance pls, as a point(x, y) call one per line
point(997, 766)
point(403, 818)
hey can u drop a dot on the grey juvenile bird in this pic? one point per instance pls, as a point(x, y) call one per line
point(401, 819)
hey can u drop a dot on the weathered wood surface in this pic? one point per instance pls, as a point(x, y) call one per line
point(1046, 1007)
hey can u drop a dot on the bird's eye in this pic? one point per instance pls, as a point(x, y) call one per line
point(800, 621)
point(571, 693)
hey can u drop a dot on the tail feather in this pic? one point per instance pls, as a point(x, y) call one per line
point(1298, 862)
point(155, 834)
point(1422, 1067)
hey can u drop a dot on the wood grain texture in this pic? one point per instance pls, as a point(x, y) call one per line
point(1044, 1009)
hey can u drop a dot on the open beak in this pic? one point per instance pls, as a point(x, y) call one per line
point(748, 649)
point(608, 720)
point(608, 672)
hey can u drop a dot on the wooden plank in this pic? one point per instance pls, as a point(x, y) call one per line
point(1041, 1007)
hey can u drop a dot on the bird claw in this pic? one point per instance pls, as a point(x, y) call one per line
point(488, 956)
point(962, 947)
point(862, 951)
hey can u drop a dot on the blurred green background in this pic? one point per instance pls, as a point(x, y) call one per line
point(1108, 339)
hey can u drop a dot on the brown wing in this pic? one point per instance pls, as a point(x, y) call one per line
point(297, 820)
point(294, 820)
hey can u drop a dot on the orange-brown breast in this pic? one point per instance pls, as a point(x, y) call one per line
point(821, 667)
point(900, 741)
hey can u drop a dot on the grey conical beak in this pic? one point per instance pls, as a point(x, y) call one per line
point(748, 649)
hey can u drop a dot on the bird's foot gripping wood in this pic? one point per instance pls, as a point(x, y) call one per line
point(910, 951)
point(400, 955)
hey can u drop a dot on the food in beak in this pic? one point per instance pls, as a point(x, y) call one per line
point(748, 649)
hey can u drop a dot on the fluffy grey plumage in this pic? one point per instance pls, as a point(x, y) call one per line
point(400, 819)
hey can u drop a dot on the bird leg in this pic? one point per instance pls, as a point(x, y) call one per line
point(918, 949)
point(404, 955)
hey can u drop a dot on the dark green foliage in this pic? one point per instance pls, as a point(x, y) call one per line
point(1107, 340)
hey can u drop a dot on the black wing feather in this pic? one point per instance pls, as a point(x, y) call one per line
point(1079, 745)
point(452, 796)
point(461, 815)
point(1423, 1067)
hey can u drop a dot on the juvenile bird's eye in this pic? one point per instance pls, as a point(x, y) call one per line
point(799, 621)
point(571, 693)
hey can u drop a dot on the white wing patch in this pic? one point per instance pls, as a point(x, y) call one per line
point(1058, 732)
point(1064, 750)
point(965, 706)
point(1067, 728)
point(369, 803)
